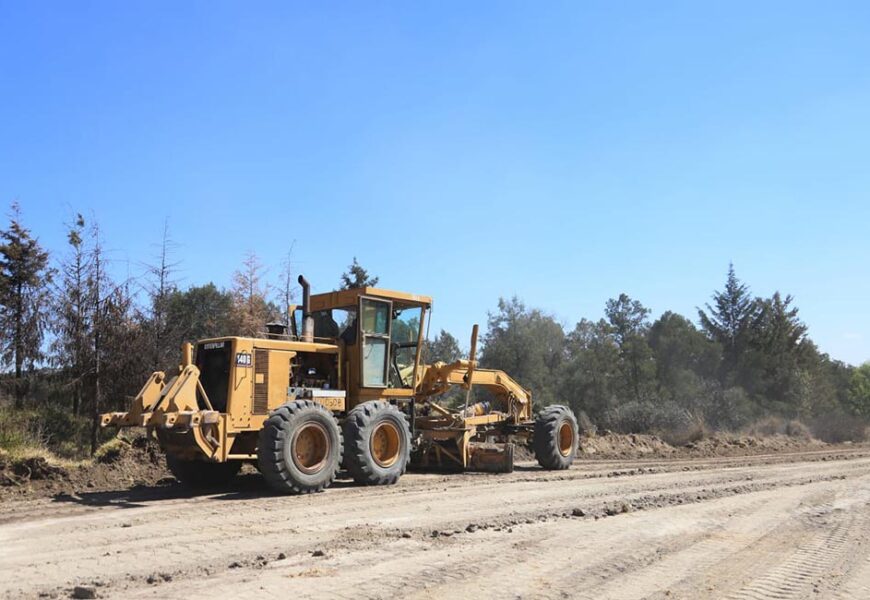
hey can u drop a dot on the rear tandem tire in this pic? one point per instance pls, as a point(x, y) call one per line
point(300, 448)
point(378, 443)
point(199, 474)
point(555, 437)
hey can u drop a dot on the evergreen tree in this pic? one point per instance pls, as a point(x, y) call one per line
point(859, 391)
point(99, 291)
point(590, 376)
point(72, 321)
point(200, 312)
point(357, 277)
point(686, 360)
point(444, 348)
point(24, 298)
point(628, 322)
point(528, 344)
point(780, 357)
point(730, 318)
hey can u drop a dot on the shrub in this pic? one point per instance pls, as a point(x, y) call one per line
point(674, 424)
point(796, 429)
point(587, 427)
point(728, 409)
point(838, 427)
point(685, 434)
point(631, 417)
point(49, 427)
point(767, 426)
point(111, 451)
point(19, 430)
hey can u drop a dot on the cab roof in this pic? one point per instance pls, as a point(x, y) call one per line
point(345, 298)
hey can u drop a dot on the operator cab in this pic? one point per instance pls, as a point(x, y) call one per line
point(381, 331)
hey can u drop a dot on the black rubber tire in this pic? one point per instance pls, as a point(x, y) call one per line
point(199, 474)
point(547, 447)
point(274, 457)
point(359, 426)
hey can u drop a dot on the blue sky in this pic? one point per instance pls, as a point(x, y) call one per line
point(562, 152)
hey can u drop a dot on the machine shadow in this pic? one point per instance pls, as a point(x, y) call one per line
point(247, 486)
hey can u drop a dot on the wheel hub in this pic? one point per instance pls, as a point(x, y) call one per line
point(566, 438)
point(310, 448)
point(385, 444)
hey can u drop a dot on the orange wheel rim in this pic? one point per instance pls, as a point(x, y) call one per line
point(310, 448)
point(385, 444)
point(566, 438)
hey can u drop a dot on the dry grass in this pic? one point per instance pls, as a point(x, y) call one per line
point(769, 426)
point(836, 428)
point(112, 450)
point(796, 429)
point(693, 431)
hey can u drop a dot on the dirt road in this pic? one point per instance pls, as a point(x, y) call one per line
point(776, 526)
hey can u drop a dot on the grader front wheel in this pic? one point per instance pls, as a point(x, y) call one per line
point(555, 437)
point(378, 443)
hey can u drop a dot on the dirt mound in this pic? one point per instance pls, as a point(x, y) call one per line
point(619, 445)
point(17, 470)
point(120, 464)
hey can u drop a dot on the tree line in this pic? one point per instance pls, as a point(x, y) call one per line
point(747, 358)
point(77, 341)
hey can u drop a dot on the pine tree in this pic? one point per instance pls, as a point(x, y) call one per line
point(444, 348)
point(72, 320)
point(357, 277)
point(98, 295)
point(730, 318)
point(782, 360)
point(25, 276)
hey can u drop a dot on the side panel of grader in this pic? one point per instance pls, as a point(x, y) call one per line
point(349, 388)
point(215, 407)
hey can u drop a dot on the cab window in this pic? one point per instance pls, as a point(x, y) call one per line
point(404, 337)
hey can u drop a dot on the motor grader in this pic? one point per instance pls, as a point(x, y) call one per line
point(345, 386)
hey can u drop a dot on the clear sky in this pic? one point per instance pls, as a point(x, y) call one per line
point(562, 152)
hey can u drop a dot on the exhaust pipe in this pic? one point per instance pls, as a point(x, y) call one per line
point(307, 319)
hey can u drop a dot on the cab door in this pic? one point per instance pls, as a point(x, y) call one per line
point(374, 333)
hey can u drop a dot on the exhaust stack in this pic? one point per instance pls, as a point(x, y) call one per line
point(307, 319)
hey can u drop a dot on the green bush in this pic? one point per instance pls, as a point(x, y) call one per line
point(49, 427)
point(728, 409)
point(19, 429)
point(112, 450)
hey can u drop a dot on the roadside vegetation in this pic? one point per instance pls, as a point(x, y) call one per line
point(748, 365)
point(75, 342)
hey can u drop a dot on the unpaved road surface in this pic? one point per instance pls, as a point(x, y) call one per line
point(775, 526)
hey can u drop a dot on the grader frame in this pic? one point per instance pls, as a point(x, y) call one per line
point(234, 400)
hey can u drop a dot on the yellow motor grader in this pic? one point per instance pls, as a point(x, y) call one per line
point(345, 386)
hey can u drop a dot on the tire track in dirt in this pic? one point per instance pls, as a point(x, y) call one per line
point(685, 518)
point(258, 520)
point(838, 528)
